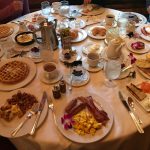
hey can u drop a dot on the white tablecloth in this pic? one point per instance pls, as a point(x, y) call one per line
point(123, 134)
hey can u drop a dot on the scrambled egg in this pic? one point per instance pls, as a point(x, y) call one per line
point(85, 123)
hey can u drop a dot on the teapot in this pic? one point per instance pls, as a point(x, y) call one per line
point(114, 48)
point(48, 34)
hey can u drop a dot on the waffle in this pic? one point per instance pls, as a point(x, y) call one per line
point(13, 72)
point(5, 31)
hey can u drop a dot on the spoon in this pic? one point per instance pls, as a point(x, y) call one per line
point(131, 104)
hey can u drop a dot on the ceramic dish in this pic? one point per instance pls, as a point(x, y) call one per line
point(6, 127)
point(71, 134)
point(141, 51)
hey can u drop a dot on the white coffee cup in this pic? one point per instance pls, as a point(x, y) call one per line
point(93, 59)
point(50, 70)
point(56, 6)
point(109, 19)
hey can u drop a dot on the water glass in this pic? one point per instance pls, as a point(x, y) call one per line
point(64, 9)
point(112, 71)
point(46, 9)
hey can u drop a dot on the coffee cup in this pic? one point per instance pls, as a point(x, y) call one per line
point(109, 19)
point(50, 70)
point(93, 59)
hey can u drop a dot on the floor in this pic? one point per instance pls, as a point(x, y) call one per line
point(5, 144)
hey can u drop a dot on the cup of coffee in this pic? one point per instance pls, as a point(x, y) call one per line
point(109, 19)
point(93, 59)
point(50, 70)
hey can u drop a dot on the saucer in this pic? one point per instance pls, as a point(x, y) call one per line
point(92, 69)
point(51, 81)
point(84, 81)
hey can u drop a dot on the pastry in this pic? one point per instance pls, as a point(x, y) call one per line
point(142, 63)
point(74, 34)
point(13, 72)
point(99, 31)
point(138, 45)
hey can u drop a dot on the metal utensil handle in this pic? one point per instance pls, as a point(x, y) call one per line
point(139, 128)
point(15, 131)
point(35, 123)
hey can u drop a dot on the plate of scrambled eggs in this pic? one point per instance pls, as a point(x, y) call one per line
point(83, 127)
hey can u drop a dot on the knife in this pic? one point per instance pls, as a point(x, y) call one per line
point(138, 126)
point(41, 106)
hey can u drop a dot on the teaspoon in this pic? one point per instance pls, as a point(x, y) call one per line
point(131, 104)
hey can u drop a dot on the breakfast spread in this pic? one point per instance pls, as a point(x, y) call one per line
point(85, 117)
point(5, 31)
point(17, 105)
point(13, 72)
point(138, 45)
point(98, 31)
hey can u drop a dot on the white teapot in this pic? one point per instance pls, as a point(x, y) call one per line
point(114, 48)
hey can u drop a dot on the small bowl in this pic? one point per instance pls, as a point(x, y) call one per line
point(26, 42)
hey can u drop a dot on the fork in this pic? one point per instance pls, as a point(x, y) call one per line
point(51, 106)
point(29, 115)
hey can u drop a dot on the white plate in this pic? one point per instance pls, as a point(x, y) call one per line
point(142, 19)
point(101, 133)
point(141, 51)
point(6, 127)
point(87, 48)
point(92, 69)
point(98, 37)
point(73, 58)
point(93, 12)
point(78, 23)
point(138, 30)
point(29, 78)
point(52, 81)
point(78, 82)
point(81, 36)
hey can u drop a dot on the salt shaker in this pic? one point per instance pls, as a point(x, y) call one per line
point(62, 86)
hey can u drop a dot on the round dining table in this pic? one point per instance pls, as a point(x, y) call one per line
point(123, 133)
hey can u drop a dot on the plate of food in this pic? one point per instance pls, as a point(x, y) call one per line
point(137, 46)
point(141, 94)
point(85, 119)
point(132, 16)
point(5, 30)
point(97, 32)
point(143, 66)
point(78, 35)
point(24, 38)
point(92, 48)
point(92, 10)
point(16, 73)
point(144, 31)
point(14, 108)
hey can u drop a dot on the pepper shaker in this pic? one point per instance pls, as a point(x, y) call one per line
point(62, 86)
point(56, 92)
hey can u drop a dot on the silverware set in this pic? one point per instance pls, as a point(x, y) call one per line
point(133, 115)
point(36, 110)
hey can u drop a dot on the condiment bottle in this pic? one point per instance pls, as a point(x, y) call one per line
point(62, 86)
point(56, 92)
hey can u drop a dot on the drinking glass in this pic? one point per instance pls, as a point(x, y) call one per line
point(46, 9)
point(64, 9)
point(112, 71)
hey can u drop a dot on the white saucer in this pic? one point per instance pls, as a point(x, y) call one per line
point(92, 69)
point(52, 81)
point(84, 81)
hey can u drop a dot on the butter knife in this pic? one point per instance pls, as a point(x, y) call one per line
point(41, 106)
point(138, 126)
